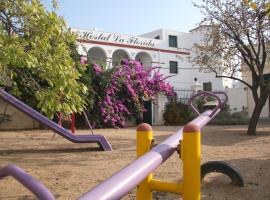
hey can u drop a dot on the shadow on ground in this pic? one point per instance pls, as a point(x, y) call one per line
point(216, 136)
point(50, 151)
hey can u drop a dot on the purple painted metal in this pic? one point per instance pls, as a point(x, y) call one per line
point(126, 179)
point(37, 188)
point(190, 102)
point(223, 94)
point(100, 139)
point(130, 176)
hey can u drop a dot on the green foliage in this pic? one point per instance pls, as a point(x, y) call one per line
point(176, 113)
point(36, 51)
point(96, 86)
point(4, 118)
point(226, 118)
point(199, 104)
point(229, 120)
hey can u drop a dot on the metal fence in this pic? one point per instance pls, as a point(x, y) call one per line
point(182, 95)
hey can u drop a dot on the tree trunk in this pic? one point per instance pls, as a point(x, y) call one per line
point(256, 116)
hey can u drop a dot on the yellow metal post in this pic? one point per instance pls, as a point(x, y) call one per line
point(191, 156)
point(163, 186)
point(144, 139)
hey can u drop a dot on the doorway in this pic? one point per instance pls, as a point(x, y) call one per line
point(147, 116)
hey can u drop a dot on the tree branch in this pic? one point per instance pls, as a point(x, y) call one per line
point(230, 77)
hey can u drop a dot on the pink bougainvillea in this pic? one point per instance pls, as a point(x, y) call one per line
point(121, 90)
point(83, 60)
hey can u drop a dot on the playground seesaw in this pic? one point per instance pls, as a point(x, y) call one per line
point(101, 140)
point(37, 188)
point(139, 173)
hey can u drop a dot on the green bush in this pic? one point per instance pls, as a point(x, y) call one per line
point(239, 115)
point(229, 121)
point(176, 113)
point(226, 118)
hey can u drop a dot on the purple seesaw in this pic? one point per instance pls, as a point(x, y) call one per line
point(100, 139)
point(37, 188)
point(129, 177)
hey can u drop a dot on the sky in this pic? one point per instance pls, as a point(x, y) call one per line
point(129, 16)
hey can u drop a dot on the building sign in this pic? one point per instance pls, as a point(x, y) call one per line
point(114, 37)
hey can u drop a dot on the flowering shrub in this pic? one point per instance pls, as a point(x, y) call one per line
point(118, 93)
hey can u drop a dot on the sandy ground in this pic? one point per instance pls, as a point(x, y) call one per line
point(69, 170)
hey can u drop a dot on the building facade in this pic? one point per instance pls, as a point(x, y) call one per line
point(170, 51)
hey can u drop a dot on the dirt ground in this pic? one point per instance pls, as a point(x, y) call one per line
point(70, 170)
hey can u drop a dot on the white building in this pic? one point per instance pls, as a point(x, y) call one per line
point(169, 50)
point(247, 77)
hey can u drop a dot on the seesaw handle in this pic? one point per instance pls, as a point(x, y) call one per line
point(224, 94)
point(208, 94)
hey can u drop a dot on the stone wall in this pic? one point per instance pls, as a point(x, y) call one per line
point(14, 119)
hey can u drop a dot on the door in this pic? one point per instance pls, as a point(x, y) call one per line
point(147, 116)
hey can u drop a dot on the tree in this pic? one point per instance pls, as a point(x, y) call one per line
point(118, 93)
point(36, 52)
point(238, 34)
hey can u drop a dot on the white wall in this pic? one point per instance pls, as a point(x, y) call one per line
point(238, 99)
point(186, 72)
point(154, 34)
point(158, 110)
point(251, 104)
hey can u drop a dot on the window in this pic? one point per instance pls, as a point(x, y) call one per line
point(157, 37)
point(173, 67)
point(207, 86)
point(172, 41)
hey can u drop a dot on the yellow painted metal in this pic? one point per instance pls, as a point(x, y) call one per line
point(163, 186)
point(191, 156)
point(144, 139)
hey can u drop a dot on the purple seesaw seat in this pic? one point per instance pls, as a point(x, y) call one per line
point(100, 139)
